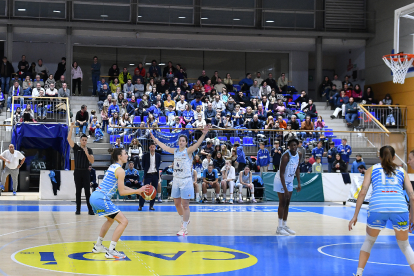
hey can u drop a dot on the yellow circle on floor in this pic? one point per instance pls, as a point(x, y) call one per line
point(143, 258)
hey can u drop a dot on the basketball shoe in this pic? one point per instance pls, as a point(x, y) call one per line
point(290, 231)
point(182, 232)
point(113, 254)
point(281, 231)
point(99, 249)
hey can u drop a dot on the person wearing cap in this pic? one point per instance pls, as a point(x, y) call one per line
point(358, 162)
point(83, 158)
point(331, 155)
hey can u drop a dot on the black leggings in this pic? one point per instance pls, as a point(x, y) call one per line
point(79, 83)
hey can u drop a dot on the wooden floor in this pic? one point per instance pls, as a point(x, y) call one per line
point(42, 239)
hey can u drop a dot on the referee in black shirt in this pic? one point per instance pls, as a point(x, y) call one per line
point(83, 157)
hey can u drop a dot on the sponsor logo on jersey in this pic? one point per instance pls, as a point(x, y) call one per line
point(402, 223)
point(142, 258)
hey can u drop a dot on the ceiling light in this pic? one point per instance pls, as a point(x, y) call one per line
point(131, 64)
point(139, 16)
point(236, 19)
point(161, 64)
point(56, 11)
point(21, 9)
point(148, 63)
point(104, 15)
point(181, 17)
point(204, 18)
point(270, 21)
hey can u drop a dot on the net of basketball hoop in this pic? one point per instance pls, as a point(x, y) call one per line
point(399, 65)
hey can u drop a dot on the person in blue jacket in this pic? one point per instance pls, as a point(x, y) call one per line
point(305, 167)
point(155, 110)
point(345, 151)
point(2, 100)
point(358, 162)
point(132, 176)
point(331, 155)
point(246, 82)
point(318, 151)
point(277, 153)
point(241, 157)
point(263, 158)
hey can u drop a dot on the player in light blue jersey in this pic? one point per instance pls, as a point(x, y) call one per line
point(182, 188)
point(103, 206)
point(387, 203)
point(283, 184)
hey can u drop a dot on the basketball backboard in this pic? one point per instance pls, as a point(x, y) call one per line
point(404, 30)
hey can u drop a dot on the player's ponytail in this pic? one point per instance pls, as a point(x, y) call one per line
point(387, 154)
point(115, 153)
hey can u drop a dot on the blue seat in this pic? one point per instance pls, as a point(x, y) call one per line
point(137, 119)
point(165, 129)
point(15, 107)
point(127, 140)
point(238, 88)
point(128, 99)
point(191, 85)
point(112, 138)
point(138, 101)
point(162, 120)
point(337, 142)
point(234, 139)
point(222, 138)
point(248, 141)
point(145, 118)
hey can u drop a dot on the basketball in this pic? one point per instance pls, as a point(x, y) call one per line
point(149, 195)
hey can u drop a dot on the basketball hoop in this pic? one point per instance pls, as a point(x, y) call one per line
point(399, 64)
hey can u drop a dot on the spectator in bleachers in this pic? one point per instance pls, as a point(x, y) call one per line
point(347, 82)
point(28, 114)
point(158, 99)
point(169, 102)
point(276, 154)
point(141, 69)
point(52, 91)
point(258, 78)
point(123, 108)
point(330, 96)
point(208, 86)
point(104, 93)
point(92, 127)
point(82, 119)
point(308, 126)
point(348, 91)
point(118, 143)
point(269, 124)
point(207, 161)
point(187, 114)
point(289, 134)
point(282, 83)
point(210, 113)
point(357, 163)
point(119, 97)
point(32, 70)
point(280, 109)
point(305, 166)
point(387, 100)
point(170, 114)
point(114, 86)
point(77, 77)
point(319, 125)
point(104, 117)
point(351, 109)
point(302, 100)
point(310, 109)
point(241, 157)
point(357, 93)
point(132, 107)
point(113, 108)
point(49, 81)
point(325, 86)
point(103, 82)
point(96, 72)
point(60, 82)
point(340, 104)
point(129, 89)
point(17, 115)
point(317, 166)
point(141, 133)
point(339, 165)
point(139, 89)
point(219, 85)
point(245, 180)
point(149, 87)
point(210, 180)
point(247, 116)
point(228, 82)
point(136, 77)
point(113, 72)
point(198, 86)
point(203, 78)
point(2, 101)
point(181, 75)
point(198, 112)
point(16, 79)
point(113, 122)
point(294, 122)
point(270, 81)
point(331, 155)
point(241, 99)
point(302, 150)
point(126, 121)
point(42, 108)
point(23, 68)
point(151, 120)
point(282, 123)
point(124, 77)
point(15, 90)
point(6, 72)
point(38, 80)
point(246, 83)
point(255, 90)
point(229, 103)
point(214, 78)
point(265, 89)
point(362, 169)
point(167, 69)
point(196, 102)
point(182, 105)
point(143, 107)
point(369, 96)
point(345, 151)
point(135, 153)
point(218, 161)
point(228, 177)
point(155, 110)
point(37, 89)
point(263, 158)
point(27, 86)
point(207, 149)
point(318, 151)
point(337, 82)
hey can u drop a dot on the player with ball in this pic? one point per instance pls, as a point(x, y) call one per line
point(182, 188)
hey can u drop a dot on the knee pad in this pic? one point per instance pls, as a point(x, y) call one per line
point(368, 243)
point(407, 251)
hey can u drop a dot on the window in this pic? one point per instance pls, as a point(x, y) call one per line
point(289, 5)
point(166, 14)
point(293, 19)
point(167, 2)
point(228, 4)
point(102, 12)
point(40, 9)
point(225, 17)
point(3, 7)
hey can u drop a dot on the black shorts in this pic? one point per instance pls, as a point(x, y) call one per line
point(112, 216)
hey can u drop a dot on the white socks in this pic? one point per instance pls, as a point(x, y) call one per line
point(185, 223)
point(159, 195)
point(284, 223)
point(204, 195)
point(359, 271)
point(281, 223)
point(197, 197)
point(217, 195)
point(112, 245)
point(231, 196)
point(99, 241)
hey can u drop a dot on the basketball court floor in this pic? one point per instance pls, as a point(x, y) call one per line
point(46, 238)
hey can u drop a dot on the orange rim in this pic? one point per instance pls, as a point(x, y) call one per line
point(396, 57)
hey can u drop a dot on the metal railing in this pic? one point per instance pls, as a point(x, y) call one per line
point(389, 116)
point(41, 109)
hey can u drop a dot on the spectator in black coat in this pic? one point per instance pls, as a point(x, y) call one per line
point(241, 99)
point(255, 123)
point(306, 166)
point(270, 81)
point(339, 165)
point(203, 78)
point(276, 155)
point(61, 69)
point(113, 72)
point(6, 71)
point(302, 98)
point(294, 123)
point(310, 109)
point(368, 96)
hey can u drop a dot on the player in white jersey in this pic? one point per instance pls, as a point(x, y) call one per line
point(387, 203)
point(102, 205)
point(283, 184)
point(182, 189)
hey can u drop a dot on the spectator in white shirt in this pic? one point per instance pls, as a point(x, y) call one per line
point(218, 104)
point(180, 106)
point(228, 174)
point(128, 89)
point(11, 158)
point(52, 91)
point(37, 89)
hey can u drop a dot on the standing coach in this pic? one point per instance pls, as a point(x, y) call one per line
point(11, 157)
point(151, 162)
point(83, 158)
